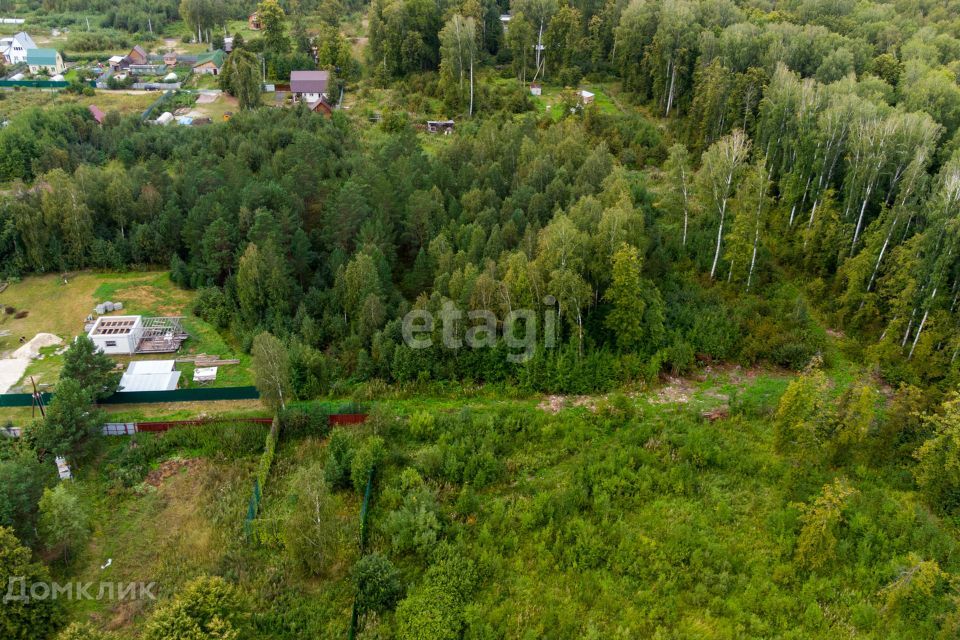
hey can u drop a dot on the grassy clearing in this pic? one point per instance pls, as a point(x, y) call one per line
point(550, 99)
point(125, 103)
point(664, 520)
point(60, 308)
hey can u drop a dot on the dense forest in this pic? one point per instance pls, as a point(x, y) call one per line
point(777, 188)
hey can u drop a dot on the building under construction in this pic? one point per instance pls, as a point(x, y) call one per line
point(127, 335)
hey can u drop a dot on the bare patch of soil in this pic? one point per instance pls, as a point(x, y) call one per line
point(555, 404)
point(170, 468)
point(676, 391)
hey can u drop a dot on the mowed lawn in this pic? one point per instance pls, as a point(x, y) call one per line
point(61, 306)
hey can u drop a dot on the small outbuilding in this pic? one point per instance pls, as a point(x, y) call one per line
point(440, 126)
point(535, 89)
point(586, 97)
point(138, 55)
point(149, 375)
point(322, 107)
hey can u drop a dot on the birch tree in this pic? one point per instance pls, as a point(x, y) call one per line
point(750, 221)
point(458, 51)
point(678, 195)
point(719, 176)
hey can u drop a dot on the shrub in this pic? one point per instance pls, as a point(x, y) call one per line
point(365, 461)
point(414, 527)
point(938, 460)
point(313, 534)
point(422, 425)
point(207, 607)
point(306, 420)
point(377, 583)
point(85, 631)
point(821, 523)
point(33, 619)
point(340, 452)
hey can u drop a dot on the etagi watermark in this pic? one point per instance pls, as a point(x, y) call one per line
point(19, 591)
point(519, 329)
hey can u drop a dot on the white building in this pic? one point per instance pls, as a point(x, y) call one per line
point(117, 335)
point(14, 48)
point(309, 86)
point(149, 375)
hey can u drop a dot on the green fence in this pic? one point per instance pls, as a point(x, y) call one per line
point(364, 510)
point(41, 84)
point(205, 394)
point(253, 508)
point(184, 395)
point(156, 103)
point(263, 470)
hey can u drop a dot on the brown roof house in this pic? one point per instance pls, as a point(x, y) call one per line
point(309, 86)
point(253, 21)
point(170, 58)
point(138, 55)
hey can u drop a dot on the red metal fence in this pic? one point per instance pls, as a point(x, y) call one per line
point(170, 424)
point(333, 420)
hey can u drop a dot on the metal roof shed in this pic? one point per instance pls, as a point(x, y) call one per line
point(154, 382)
point(149, 375)
point(150, 367)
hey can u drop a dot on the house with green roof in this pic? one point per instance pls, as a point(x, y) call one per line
point(210, 62)
point(48, 60)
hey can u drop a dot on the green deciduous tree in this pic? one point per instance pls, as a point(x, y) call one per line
point(458, 52)
point(434, 610)
point(719, 176)
point(801, 414)
point(203, 16)
point(368, 456)
point(271, 369)
point(22, 480)
point(678, 197)
point(64, 519)
point(821, 522)
point(626, 318)
point(240, 77)
point(274, 22)
point(29, 618)
point(313, 535)
point(938, 460)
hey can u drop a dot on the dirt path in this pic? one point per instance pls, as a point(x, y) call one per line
point(11, 370)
